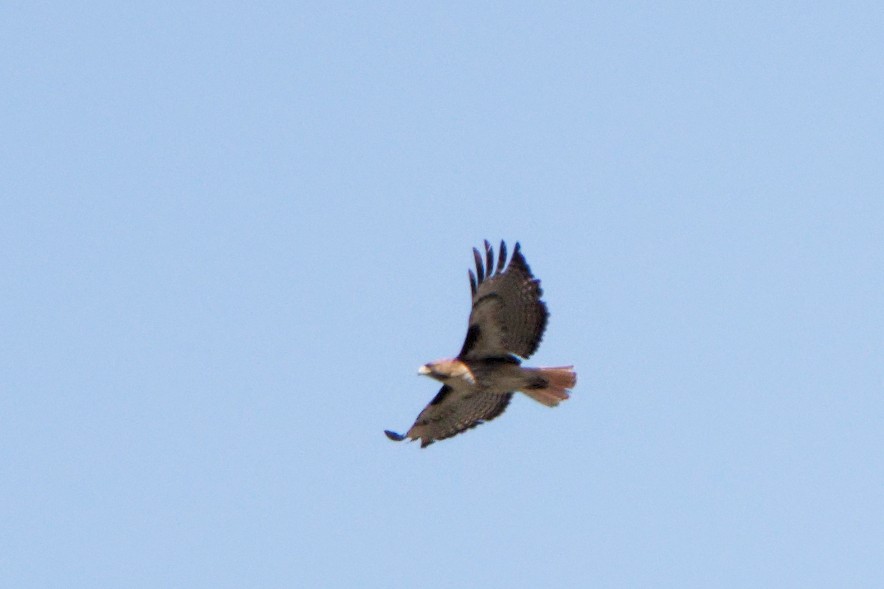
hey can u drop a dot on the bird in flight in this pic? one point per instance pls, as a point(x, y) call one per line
point(506, 325)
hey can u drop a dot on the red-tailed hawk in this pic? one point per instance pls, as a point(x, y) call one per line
point(506, 324)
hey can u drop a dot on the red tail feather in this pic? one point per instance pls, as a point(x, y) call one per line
point(555, 381)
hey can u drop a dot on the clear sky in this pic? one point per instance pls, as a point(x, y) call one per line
point(231, 232)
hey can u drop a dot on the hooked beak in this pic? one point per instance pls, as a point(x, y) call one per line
point(424, 370)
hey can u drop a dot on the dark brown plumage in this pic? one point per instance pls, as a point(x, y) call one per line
point(507, 315)
point(506, 324)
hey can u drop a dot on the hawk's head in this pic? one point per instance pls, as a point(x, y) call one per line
point(446, 370)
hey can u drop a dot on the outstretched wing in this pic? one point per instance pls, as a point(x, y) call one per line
point(452, 412)
point(508, 316)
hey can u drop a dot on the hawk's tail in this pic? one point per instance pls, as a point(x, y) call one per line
point(550, 385)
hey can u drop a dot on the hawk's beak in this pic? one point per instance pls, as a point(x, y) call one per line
point(424, 370)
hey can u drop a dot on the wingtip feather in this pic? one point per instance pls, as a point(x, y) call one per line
point(501, 259)
point(480, 269)
point(489, 259)
point(394, 436)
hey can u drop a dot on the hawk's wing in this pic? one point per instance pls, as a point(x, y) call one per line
point(452, 412)
point(508, 316)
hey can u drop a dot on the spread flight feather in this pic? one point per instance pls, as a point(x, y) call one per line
point(506, 324)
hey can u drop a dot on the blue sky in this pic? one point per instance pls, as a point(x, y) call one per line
point(230, 234)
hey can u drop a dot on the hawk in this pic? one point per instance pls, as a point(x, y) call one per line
point(506, 325)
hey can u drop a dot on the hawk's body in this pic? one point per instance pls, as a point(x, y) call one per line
point(506, 324)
